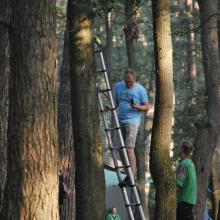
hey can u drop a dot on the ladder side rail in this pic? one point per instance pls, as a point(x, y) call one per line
point(108, 137)
point(124, 152)
point(113, 105)
point(129, 171)
point(124, 192)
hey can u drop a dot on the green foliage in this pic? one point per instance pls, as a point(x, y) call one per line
point(190, 99)
point(61, 27)
point(190, 95)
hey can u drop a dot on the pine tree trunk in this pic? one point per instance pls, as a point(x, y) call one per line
point(67, 158)
point(32, 181)
point(88, 152)
point(141, 168)
point(4, 86)
point(208, 134)
point(160, 163)
point(191, 44)
point(216, 180)
point(108, 46)
point(129, 31)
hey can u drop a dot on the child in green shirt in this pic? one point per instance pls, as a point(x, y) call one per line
point(186, 183)
point(113, 215)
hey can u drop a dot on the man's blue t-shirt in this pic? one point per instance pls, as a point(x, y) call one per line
point(124, 95)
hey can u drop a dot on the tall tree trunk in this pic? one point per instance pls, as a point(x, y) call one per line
point(190, 44)
point(208, 134)
point(218, 24)
point(4, 87)
point(160, 163)
point(67, 158)
point(32, 180)
point(130, 31)
point(108, 46)
point(88, 152)
point(216, 180)
point(141, 152)
point(216, 157)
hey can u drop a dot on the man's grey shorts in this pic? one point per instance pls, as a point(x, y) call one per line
point(129, 133)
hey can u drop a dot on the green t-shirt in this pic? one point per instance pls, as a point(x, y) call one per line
point(186, 179)
point(111, 217)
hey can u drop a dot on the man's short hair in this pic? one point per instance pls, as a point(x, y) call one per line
point(187, 147)
point(130, 71)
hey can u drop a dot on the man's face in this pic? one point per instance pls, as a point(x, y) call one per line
point(181, 154)
point(114, 210)
point(129, 80)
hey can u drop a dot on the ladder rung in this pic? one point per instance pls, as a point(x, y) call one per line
point(120, 167)
point(132, 204)
point(111, 109)
point(111, 129)
point(101, 71)
point(98, 51)
point(103, 90)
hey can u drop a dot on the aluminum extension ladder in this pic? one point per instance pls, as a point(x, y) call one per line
point(131, 206)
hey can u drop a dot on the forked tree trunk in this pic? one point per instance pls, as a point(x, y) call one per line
point(160, 163)
point(67, 155)
point(4, 87)
point(32, 180)
point(208, 134)
point(90, 201)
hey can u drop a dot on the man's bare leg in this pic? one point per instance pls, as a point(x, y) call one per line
point(132, 160)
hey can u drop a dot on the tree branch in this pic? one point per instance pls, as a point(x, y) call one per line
point(198, 27)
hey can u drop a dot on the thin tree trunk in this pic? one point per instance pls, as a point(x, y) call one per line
point(90, 187)
point(4, 87)
point(216, 158)
point(130, 31)
point(142, 150)
point(67, 158)
point(108, 46)
point(208, 134)
point(191, 45)
point(160, 163)
point(32, 180)
point(216, 180)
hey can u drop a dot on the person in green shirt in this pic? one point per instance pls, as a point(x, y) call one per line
point(113, 215)
point(186, 183)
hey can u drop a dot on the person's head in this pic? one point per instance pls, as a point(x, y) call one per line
point(129, 78)
point(185, 150)
point(114, 210)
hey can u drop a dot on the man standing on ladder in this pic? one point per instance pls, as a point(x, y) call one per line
point(132, 99)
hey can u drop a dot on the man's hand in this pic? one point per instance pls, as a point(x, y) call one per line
point(142, 107)
point(107, 107)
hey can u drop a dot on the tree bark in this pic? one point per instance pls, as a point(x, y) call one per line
point(4, 87)
point(208, 134)
point(160, 163)
point(88, 152)
point(67, 157)
point(108, 46)
point(130, 31)
point(216, 180)
point(191, 56)
point(142, 150)
point(32, 181)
